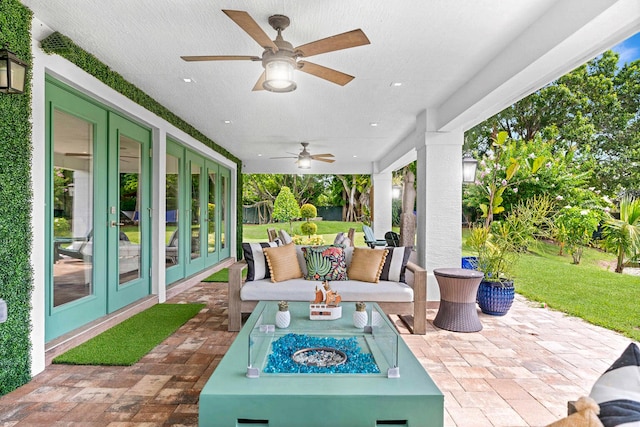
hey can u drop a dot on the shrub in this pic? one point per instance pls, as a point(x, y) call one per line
point(308, 228)
point(308, 211)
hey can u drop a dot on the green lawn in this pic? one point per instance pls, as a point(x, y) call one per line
point(327, 229)
point(588, 290)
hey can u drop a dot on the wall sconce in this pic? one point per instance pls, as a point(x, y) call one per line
point(469, 167)
point(13, 72)
point(3, 311)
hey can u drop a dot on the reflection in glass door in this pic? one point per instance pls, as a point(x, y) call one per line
point(72, 180)
point(225, 176)
point(172, 200)
point(196, 173)
point(130, 235)
point(211, 217)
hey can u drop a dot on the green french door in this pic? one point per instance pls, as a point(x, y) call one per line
point(98, 218)
point(196, 213)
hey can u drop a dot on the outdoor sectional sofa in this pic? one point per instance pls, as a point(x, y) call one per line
point(393, 295)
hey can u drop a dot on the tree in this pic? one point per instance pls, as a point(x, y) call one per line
point(591, 112)
point(285, 208)
point(622, 236)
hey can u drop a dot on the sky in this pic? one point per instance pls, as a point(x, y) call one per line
point(629, 49)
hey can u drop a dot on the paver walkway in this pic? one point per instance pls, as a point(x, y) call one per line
point(520, 370)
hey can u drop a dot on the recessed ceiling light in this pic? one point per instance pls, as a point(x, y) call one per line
point(373, 124)
point(259, 155)
point(187, 80)
point(226, 122)
point(355, 155)
point(396, 84)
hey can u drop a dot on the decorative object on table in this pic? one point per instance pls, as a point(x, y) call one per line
point(326, 304)
point(360, 316)
point(283, 317)
point(499, 247)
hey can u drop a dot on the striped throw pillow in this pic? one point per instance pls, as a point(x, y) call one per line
point(617, 391)
point(257, 268)
point(395, 264)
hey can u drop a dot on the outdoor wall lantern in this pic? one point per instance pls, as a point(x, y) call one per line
point(469, 167)
point(396, 191)
point(13, 72)
point(3, 311)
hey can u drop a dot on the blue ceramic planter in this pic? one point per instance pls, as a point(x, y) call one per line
point(495, 298)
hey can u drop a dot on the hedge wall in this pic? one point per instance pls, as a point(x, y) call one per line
point(15, 206)
point(60, 44)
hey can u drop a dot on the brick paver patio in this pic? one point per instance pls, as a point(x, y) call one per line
point(520, 370)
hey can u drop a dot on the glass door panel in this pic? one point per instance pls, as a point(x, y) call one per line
point(211, 217)
point(72, 180)
point(131, 185)
point(128, 198)
point(225, 234)
point(172, 200)
point(196, 173)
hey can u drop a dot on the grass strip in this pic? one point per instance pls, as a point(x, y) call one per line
point(222, 276)
point(127, 342)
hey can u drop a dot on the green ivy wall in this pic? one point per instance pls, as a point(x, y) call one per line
point(15, 206)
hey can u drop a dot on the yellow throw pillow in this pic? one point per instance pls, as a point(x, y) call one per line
point(283, 263)
point(366, 264)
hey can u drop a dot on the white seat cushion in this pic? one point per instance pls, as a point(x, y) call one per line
point(304, 290)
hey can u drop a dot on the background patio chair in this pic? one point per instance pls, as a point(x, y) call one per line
point(272, 234)
point(392, 239)
point(370, 238)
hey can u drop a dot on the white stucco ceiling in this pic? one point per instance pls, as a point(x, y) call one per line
point(463, 60)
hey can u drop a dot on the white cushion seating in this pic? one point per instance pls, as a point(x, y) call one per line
point(304, 290)
point(395, 297)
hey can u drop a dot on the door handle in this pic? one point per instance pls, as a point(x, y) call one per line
point(114, 223)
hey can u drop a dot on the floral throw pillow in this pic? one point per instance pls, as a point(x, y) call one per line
point(325, 262)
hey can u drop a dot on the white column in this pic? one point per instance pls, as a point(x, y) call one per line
point(439, 199)
point(158, 225)
point(382, 200)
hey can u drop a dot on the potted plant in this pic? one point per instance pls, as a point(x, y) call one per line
point(499, 246)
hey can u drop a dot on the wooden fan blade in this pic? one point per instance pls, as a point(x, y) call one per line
point(324, 160)
point(251, 27)
point(338, 42)
point(221, 58)
point(322, 155)
point(328, 74)
point(258, 85)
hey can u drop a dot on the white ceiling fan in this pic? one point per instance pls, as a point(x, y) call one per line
point(303, 159)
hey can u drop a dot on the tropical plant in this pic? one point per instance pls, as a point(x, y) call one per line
point(575, 227)
point(499, 245)
point(501, 169)
point(285, 207)
point(622, 236)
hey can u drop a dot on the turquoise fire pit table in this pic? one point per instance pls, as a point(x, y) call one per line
point(384, 385)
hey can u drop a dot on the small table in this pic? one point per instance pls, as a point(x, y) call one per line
point(458, 290)
point(230, 398)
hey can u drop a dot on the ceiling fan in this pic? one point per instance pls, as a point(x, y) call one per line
point(304, 157)
point(280, 58)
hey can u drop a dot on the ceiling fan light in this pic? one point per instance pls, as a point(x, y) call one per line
point(279, 76)
point(304, 163)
